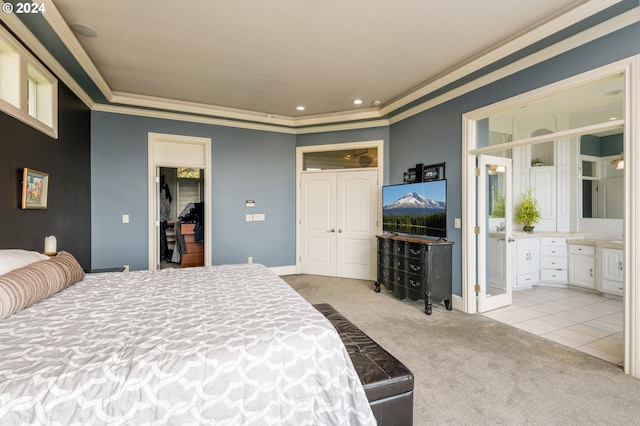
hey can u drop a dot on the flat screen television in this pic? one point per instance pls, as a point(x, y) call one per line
point(415, 209)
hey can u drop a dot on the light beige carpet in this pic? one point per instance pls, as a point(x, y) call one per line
point(471, 370)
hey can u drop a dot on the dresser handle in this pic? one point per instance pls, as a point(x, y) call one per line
point(415, 268)
point(415, 251)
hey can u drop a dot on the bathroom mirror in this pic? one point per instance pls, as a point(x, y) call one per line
point(602, 181)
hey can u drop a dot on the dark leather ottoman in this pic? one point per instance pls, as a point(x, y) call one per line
point(386, 381)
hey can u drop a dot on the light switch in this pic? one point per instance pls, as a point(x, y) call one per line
point(258, 217)
point(125, 218)
point(457, 223)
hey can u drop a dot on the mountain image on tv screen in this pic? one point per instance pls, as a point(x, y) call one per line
point(415, 212)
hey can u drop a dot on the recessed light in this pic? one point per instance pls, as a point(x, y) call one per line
point(83, 30)
point(357, 101)
point(376, 103)
point(300, 108)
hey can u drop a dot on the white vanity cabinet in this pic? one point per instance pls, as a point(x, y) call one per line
point(612, 271)
point(553, 260)
point(582, 265)
point(527, 262)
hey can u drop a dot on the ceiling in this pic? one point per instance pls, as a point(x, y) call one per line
point(269, 57)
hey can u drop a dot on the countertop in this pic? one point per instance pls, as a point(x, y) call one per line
point(598, 243)
point(520, 234)
point(572, 238)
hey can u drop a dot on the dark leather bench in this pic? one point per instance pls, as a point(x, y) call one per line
point(386, 381)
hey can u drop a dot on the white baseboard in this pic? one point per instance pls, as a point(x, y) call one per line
point(456, 302)
point(284, 270)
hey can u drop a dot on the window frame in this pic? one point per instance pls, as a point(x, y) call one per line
point(22, 79)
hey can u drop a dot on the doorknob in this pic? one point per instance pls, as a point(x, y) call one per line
point(332, 230)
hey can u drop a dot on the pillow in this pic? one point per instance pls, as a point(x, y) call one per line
point(30, 284)
point(11, 259)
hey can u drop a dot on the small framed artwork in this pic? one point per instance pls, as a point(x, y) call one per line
point(35, 189)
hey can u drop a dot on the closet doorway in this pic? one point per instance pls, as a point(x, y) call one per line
point(181, 217)
point(190, 203)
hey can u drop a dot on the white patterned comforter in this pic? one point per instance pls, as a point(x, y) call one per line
point(227, 345)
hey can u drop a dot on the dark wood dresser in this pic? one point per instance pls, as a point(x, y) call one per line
point(194, 254)
point(416, 268)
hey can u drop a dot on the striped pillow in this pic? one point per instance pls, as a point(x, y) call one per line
point(30, 284)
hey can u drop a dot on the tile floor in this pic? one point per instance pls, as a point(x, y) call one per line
point(585, 321)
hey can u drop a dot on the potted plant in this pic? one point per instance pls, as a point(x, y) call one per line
point(527, 211)
point(536, 162)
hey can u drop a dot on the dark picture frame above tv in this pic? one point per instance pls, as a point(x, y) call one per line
point(418, 209)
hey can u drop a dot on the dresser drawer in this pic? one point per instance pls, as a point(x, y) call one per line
point(551, 262)
point(415, 282)
point(416, 251)
point(399, 248)
point(385, 275)
point(415, 266)
point(385, 245)
point(553, 250)
point(386, 260)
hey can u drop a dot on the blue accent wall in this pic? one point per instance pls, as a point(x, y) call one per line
point(246, 165)
point(435, 135)
point(260, 165)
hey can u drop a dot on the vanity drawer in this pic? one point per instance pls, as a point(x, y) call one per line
point(527, 279)
point(551, 275)
point(580, 249)
point(553, 251)
point(551, 262)
point(551, 241)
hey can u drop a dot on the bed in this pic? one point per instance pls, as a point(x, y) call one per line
point(227, 345)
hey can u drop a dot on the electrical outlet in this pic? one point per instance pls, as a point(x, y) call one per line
point(250, 259)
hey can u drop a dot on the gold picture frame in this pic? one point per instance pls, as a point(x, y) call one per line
point(35, 189)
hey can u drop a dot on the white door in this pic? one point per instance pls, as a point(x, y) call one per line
point(318, 223)
point(338, 223)
point(494, 233)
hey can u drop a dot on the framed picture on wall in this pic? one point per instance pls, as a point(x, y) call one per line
point(35, 189)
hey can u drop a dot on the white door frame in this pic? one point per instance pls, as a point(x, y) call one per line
point(301, 150)
point(630, 69)
point(174, 151)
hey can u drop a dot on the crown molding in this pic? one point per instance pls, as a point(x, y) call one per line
point(189, 117)
point(148, 106)
point(621, 21)
point(345, 126)
point(61, 28)
point(131, 99)
point(553, 26)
